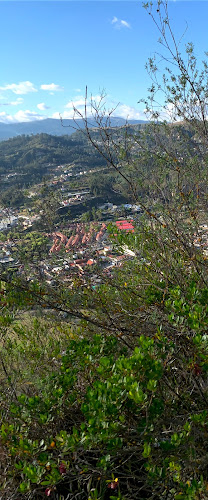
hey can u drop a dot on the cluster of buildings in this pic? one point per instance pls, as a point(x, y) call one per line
point(7, 219)
point(85, 263)
point(6, 252)
point(81, 236)
point(74, 197)
point(201, 239)
point(86, 252)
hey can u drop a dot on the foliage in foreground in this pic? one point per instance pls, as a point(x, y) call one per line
point(100, 415)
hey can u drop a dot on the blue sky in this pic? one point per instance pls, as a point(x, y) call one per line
point(50, 51)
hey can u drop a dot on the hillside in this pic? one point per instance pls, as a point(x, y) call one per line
point(25, 160)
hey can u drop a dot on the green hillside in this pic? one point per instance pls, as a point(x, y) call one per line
point(27, 159)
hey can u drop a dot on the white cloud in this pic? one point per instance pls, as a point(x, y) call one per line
point(120, 23)
point(129, 112)
point(28, 116)
point(5, 118)
point(42, 106)
point(20, 116)
point(122, 110)
point(76, 107)
point(20, 88)
point(52, 87)
point(125, 24)
point(71, 114)
point(66, 114)
point(77, 90)
point(76, 102)
point(80, 101)
point(18, 101)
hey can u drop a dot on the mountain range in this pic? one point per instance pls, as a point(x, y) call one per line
point(53, 126)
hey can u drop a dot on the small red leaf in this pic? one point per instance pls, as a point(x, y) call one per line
point(113, 485)
point(48, 492)
point(62, 468)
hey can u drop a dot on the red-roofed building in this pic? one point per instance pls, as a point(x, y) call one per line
point(125, 225)
point(90, 262)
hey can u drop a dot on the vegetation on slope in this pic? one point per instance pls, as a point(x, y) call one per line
point(33, 157)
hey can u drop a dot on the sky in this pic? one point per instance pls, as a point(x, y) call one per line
point(51, 50)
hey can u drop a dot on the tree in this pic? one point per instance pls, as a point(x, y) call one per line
point(101, 184)
point(48, 205)
point(12, 198)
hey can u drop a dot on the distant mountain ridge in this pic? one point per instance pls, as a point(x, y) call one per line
point(53, 126)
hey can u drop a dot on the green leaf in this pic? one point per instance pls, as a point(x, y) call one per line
point(23, 487)
point(147, 450)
